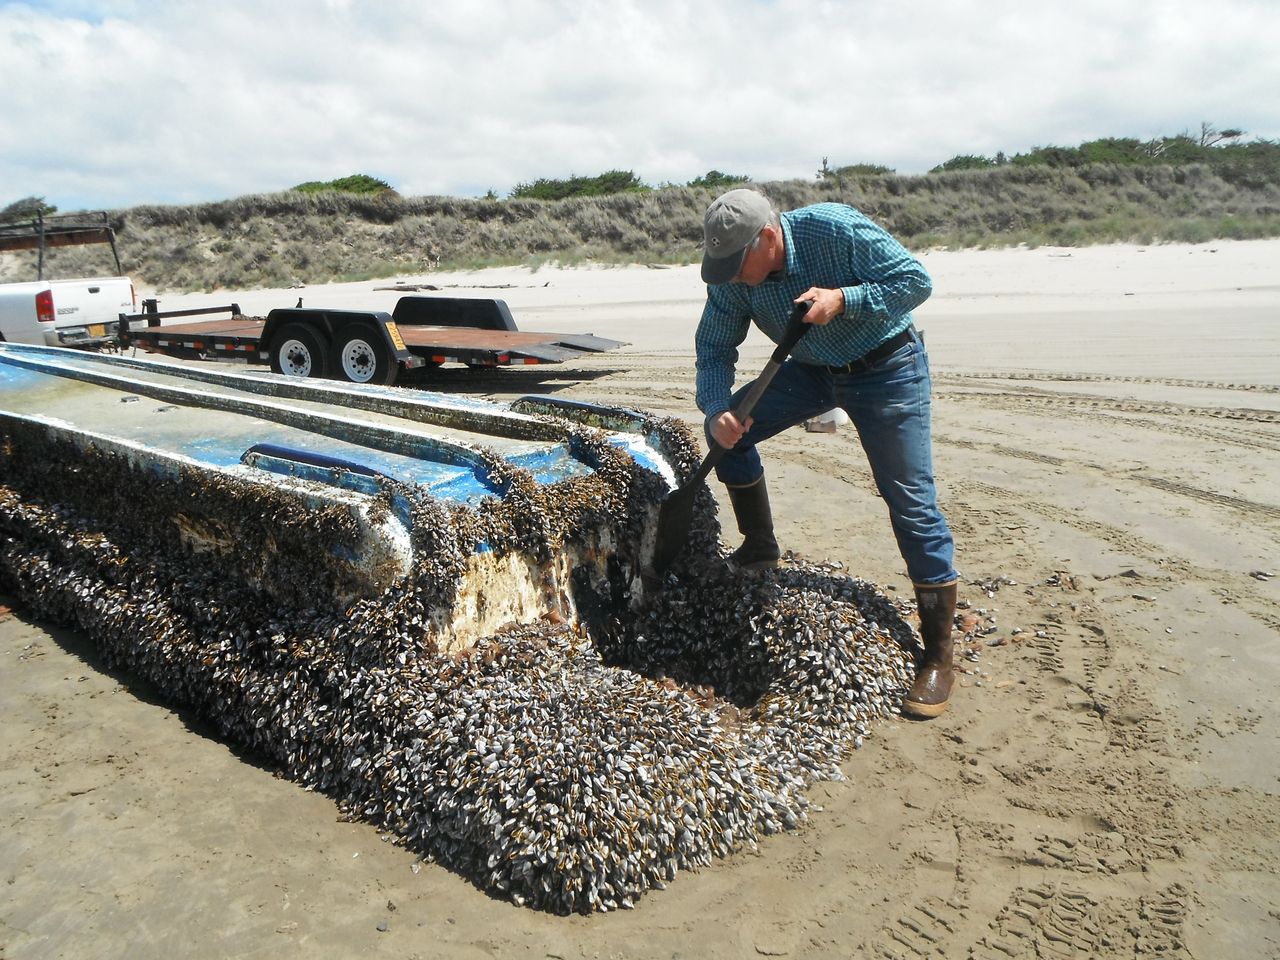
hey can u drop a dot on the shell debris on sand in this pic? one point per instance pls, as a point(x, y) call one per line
point(570, 764)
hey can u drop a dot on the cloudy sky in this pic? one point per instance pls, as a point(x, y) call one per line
point(111, 103)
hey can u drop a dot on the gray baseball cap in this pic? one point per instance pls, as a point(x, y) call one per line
point(733, 220)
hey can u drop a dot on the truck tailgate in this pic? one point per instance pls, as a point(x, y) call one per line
point(87, 309)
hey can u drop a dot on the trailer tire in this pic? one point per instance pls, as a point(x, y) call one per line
point(299, 351)
point(361, 355)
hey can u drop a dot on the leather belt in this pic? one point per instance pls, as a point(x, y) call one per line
point(876, 354)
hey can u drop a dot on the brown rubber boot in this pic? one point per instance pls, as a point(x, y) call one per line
point(932, 689)
point(759, 550)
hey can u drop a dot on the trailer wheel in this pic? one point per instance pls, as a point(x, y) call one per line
point(360, 355)
point(299, 351)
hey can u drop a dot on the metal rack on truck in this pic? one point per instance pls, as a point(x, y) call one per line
point(43, 231)
point(69, 311)
point(357, 345)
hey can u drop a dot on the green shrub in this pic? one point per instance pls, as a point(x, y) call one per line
point(356, 183)
point(964, 162)
point(611, 181)
point(715, 180)
point(26, 209)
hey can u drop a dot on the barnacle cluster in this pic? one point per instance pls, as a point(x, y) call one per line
point(572, 761)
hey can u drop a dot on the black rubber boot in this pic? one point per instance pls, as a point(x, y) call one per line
point(759, 550)
point(936, 677)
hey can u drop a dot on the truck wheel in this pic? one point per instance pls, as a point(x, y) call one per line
point(361, 355)
point(299, 351)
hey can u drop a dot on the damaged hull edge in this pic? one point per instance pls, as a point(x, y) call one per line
point(321, 497)
point(375, 552)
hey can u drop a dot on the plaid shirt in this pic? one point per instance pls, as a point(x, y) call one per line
point(827, 245)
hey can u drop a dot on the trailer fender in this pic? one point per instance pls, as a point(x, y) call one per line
point(484, 314)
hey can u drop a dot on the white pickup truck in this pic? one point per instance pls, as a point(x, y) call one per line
point(64, 313)
point(81, 312)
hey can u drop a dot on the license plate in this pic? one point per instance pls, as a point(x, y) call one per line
point(395, 335)
point(97, 329)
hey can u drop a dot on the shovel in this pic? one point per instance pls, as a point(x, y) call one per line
point(676, 512)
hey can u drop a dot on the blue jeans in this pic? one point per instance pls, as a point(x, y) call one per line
point(889, 405)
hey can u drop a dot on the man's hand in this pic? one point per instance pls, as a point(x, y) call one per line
point(824, 305)
point(727, 430)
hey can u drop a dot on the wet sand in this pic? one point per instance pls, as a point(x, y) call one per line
point(1106, 782)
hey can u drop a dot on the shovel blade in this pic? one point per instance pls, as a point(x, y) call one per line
point(674, 517)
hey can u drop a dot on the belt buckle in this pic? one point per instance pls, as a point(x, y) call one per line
point(853, 366)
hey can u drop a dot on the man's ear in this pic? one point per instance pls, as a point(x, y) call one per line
point(775, 235)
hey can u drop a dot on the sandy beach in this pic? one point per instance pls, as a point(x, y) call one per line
point(1106, 782)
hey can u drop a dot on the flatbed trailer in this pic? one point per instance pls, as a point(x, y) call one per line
point(356, 345)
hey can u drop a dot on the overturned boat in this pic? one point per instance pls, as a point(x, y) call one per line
point(437, 611)
point(315, 494)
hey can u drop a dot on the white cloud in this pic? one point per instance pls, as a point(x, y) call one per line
point(118, 103)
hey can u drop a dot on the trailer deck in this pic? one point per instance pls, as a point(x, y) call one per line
point(469, 345)
point(357, 346)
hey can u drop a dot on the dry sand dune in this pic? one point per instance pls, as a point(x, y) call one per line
point(1106, 783)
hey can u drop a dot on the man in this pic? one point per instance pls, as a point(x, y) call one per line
point(862, 356)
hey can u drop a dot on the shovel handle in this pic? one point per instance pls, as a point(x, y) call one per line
point(796, 328)
point(677, 510)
